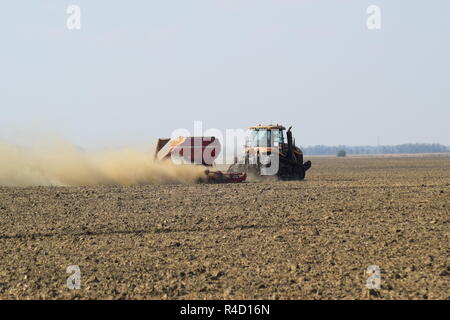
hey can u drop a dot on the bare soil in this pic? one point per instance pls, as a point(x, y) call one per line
point(312, 239)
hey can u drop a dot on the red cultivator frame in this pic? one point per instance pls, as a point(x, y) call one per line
point(200, 151)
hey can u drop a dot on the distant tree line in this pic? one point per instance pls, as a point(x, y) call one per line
point(402, 148)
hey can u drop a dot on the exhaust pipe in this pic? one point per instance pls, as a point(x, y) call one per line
point(290, 153)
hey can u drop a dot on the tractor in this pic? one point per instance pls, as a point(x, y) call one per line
point(269, 150)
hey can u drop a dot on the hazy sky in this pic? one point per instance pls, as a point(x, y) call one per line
point(138, 70)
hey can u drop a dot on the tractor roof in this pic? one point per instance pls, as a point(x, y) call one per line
point(268, 127)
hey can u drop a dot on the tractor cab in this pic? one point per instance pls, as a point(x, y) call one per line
point(271, 136)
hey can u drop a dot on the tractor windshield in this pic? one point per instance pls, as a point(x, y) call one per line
point(257, 138)
point(263, 138)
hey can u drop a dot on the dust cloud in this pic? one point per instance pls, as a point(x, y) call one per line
point(59, 163)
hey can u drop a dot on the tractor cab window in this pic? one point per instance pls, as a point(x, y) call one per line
point(251, 140)
point(265, 138)
point(277, 137)
point(259, 138)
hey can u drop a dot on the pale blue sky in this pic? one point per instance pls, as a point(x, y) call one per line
point(139, 69)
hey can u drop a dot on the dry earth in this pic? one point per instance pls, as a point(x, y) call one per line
point(262, 240)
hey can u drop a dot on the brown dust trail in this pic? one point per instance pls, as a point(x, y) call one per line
point(60, 163)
